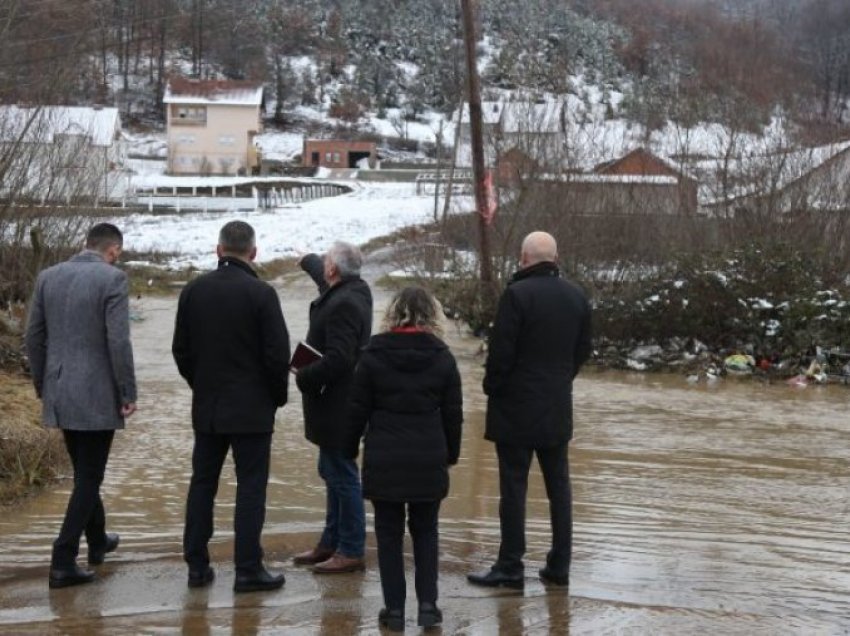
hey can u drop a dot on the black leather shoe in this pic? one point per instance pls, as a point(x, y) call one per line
point(553, 578)
point(429, 615)
point(260, 581)
point(201, 578)
point(66, 577)
point(391, 619)
point(497, 578)
point(97, 555)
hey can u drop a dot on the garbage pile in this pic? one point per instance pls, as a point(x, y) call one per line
point(745, 314)
point(698, 363)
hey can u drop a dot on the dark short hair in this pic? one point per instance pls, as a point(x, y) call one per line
point(103, 236)
point(237, 237)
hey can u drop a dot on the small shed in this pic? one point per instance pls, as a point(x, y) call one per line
point(339, 153)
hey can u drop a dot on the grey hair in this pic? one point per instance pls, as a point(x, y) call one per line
point(237, 237)
point(346, 257)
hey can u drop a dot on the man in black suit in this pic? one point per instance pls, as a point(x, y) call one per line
point(232, 347)
point(340, 325)
point(540, 339)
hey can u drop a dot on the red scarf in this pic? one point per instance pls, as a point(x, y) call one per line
point(412, 329)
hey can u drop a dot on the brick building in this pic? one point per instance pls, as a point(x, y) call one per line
point(338, 153)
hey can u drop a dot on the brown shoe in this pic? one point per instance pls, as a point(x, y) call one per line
point(339, 564)
point(311, 557)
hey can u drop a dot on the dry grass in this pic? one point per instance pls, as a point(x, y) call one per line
point(272, 270)
point(30, 455)
point(155, 281)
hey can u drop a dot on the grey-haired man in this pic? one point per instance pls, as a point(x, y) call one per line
point(340, 325)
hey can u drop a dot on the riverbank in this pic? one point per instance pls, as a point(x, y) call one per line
point(30, 456)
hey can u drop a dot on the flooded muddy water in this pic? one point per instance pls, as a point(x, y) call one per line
point(697, 510)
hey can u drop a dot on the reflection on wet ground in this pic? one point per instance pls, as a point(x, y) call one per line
point(697, 510)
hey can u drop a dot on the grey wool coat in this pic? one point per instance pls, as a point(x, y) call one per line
point(78, 343)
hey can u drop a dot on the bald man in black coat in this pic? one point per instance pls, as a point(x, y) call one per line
point(540, 339)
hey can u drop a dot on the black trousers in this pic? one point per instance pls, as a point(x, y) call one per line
point(514, 464)
point(251, 453)
point(89, 452)
point(389, 532)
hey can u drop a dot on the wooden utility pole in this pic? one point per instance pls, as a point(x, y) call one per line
point(453, 163)
point(481, 204)
point(437, 180)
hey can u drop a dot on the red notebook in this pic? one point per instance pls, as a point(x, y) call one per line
point(303, 355)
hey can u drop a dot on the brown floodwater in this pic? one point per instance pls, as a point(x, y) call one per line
point(698, 509)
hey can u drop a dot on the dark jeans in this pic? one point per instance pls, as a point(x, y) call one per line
point(345, 517)
point(514, 464)
point(389, 531)
point(251, 456)
point(89, 452)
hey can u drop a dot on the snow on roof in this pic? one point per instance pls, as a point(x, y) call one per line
point(798, 163)
point(491, 113)
point(637, 179)
point(754, 174)
point(528, 117)
point(42, 124)
point(181, 90)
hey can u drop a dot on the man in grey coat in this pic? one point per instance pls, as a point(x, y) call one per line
point(78, 342)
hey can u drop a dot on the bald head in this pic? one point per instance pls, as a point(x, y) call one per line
point(538, 247)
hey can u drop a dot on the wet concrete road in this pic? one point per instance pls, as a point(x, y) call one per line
point(697, 510)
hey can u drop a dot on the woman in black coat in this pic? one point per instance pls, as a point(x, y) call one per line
point(406, 400)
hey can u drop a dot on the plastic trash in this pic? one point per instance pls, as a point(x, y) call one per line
point(800, 381)
point(739, 363)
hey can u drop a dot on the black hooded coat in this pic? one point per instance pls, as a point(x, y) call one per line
point(406, 402)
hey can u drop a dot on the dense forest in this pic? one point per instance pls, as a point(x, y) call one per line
point(683, 60)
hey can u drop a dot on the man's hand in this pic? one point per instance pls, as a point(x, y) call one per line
point(128, 409)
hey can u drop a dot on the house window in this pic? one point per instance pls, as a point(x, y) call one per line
point(336, 157)
point(186, 139)
point(188, 115)
point(226, 140)
point(328, 157)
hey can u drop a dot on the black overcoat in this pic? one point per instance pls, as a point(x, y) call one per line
point(407, 401)
point(540, 339)
point(232, 347)
point(340, 325)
